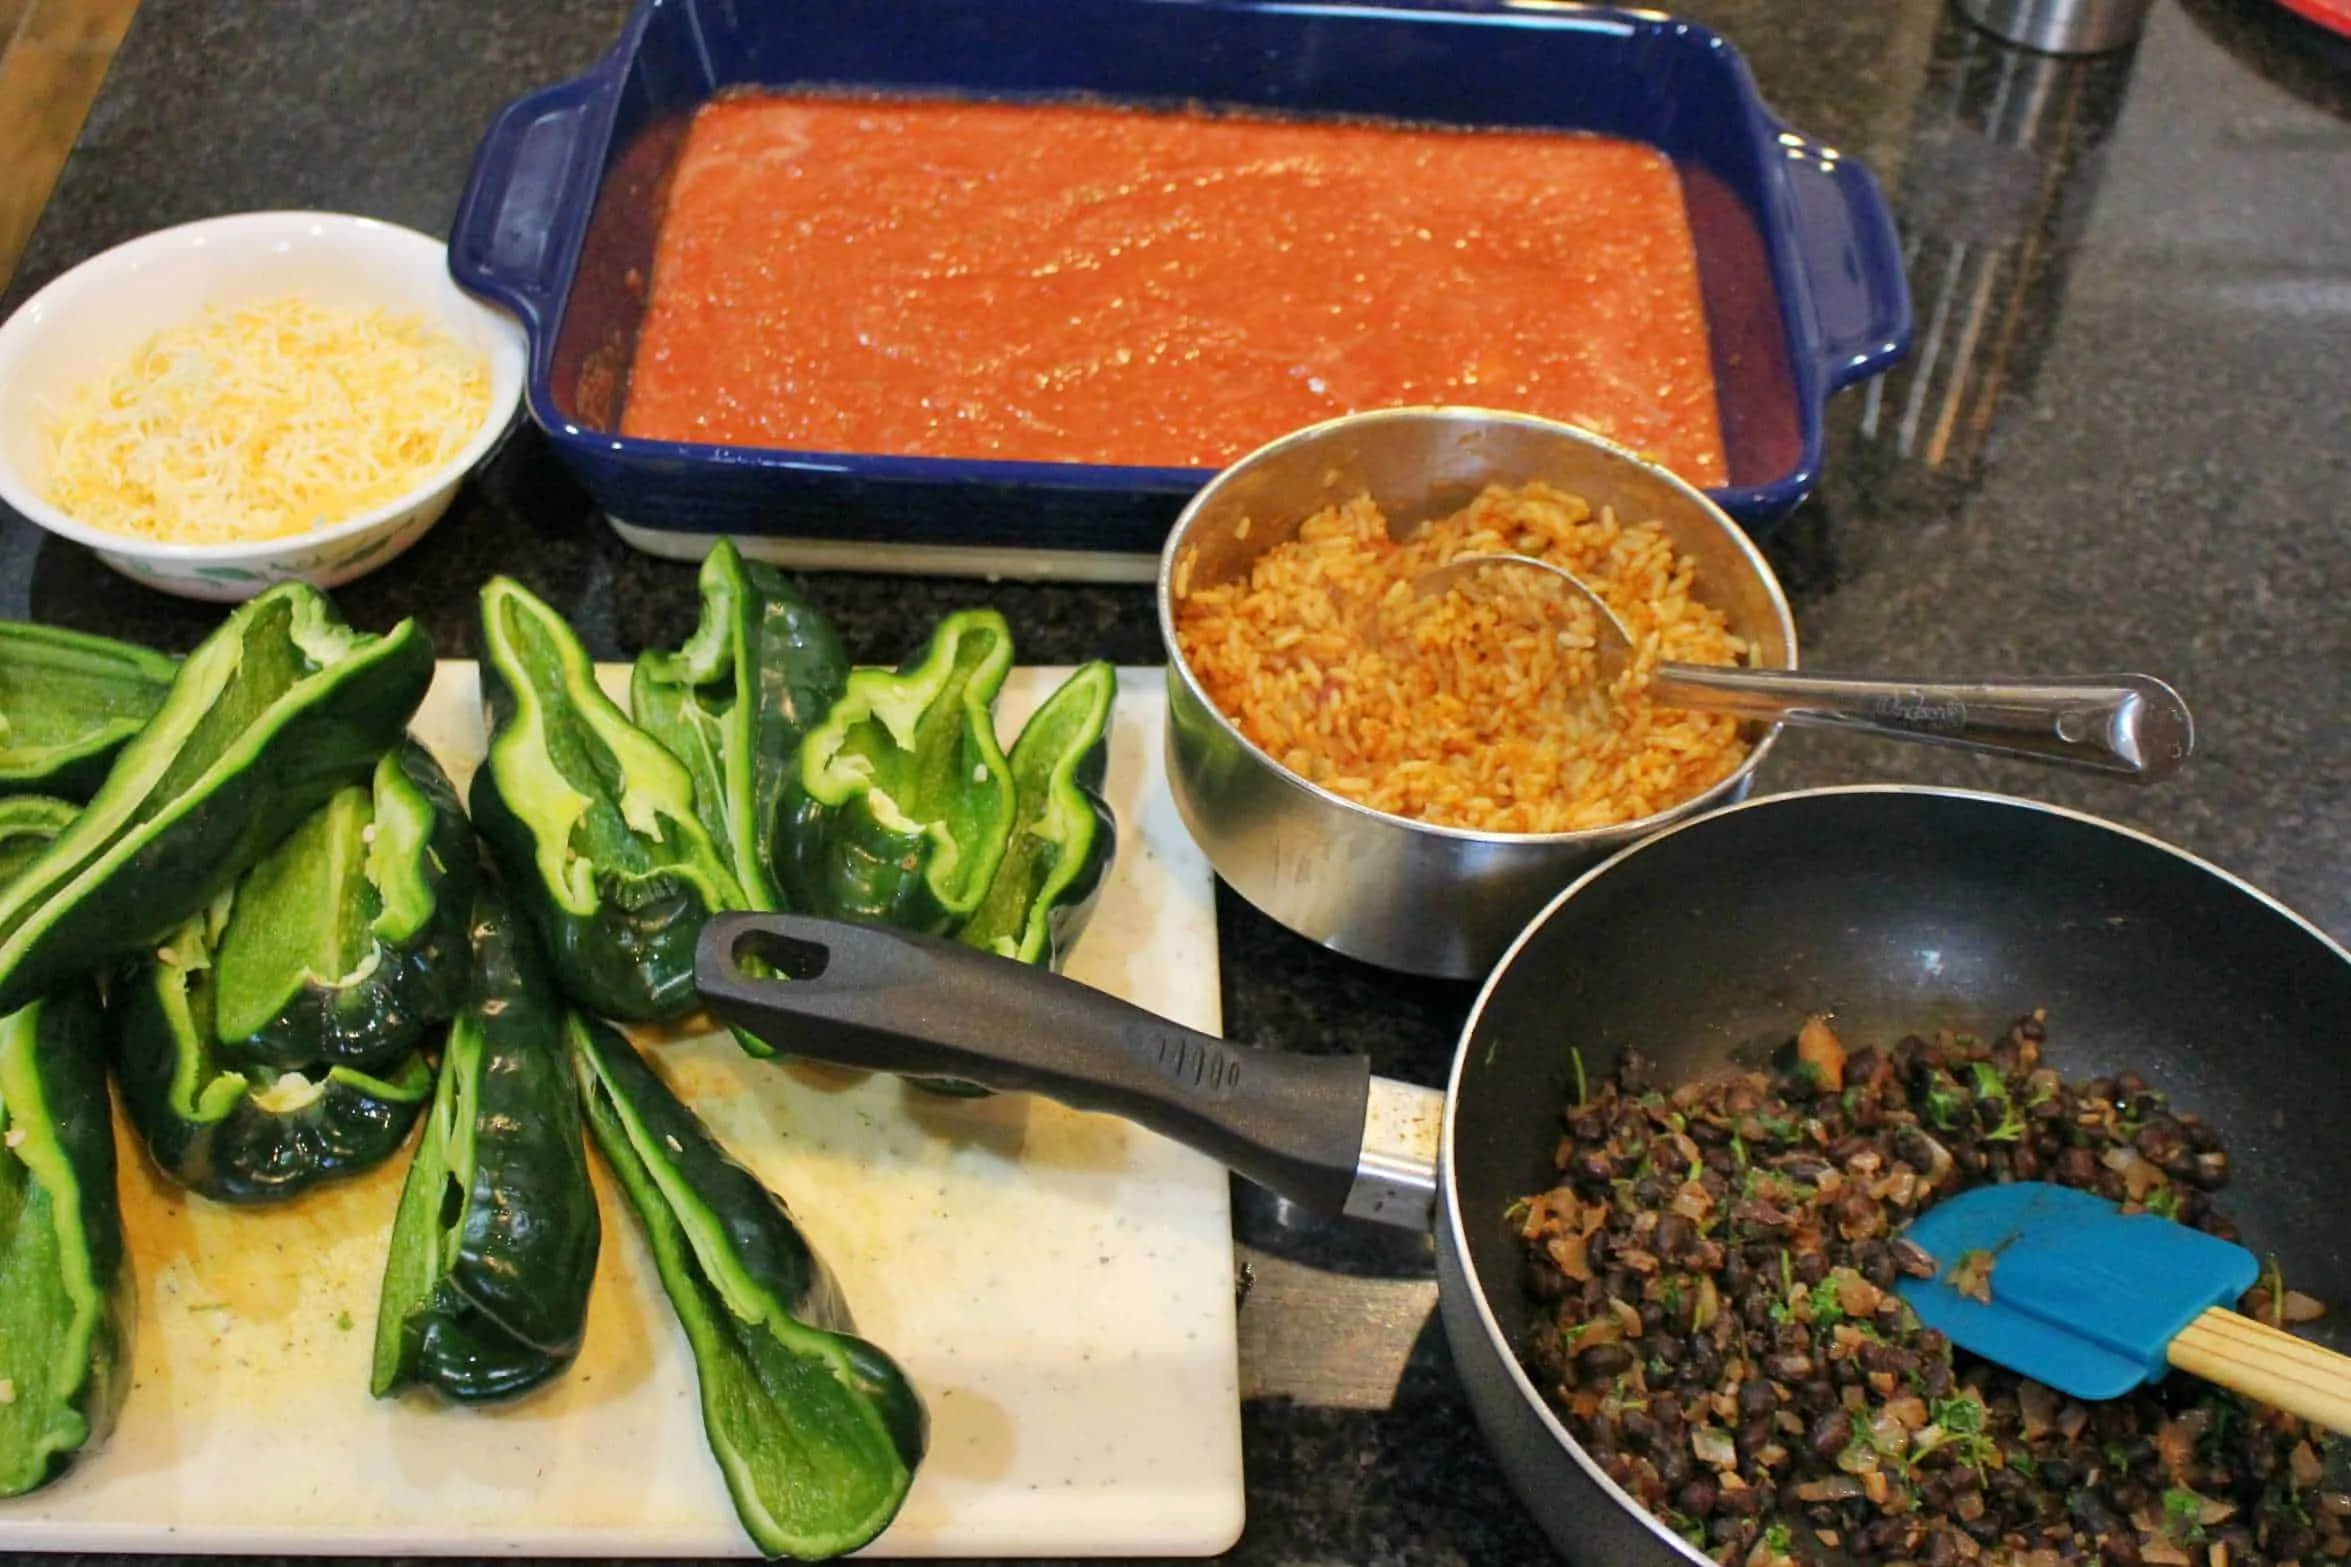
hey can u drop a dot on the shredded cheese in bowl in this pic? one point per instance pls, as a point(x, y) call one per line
point(269, 419)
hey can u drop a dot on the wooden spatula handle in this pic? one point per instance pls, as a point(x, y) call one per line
point(2265, 1364)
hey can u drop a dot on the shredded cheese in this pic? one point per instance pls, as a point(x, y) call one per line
point(265, 420)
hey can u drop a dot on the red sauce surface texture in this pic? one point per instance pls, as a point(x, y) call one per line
point(1086, 284)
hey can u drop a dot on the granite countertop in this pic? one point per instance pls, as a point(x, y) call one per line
point(2123, 442)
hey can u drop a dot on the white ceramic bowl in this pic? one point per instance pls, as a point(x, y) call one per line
point(93, 318)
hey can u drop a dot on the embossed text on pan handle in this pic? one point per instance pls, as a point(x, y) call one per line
point(2132, 726)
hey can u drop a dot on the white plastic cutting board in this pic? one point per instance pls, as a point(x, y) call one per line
point(1058, 1285)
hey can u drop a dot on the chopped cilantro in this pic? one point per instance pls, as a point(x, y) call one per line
point(2163, 1201)
point(1689, 1528)
point(1569, 1336)
point(1945, 1103)
point(2183, 1516)
point(1989, 1084)
point(1959, 1423)
point(1778, 1538)
point(1623, 1396)
point(1962, 1414)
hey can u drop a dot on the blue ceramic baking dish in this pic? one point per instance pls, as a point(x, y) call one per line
point(1799, 265)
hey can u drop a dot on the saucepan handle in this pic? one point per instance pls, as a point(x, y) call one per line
point(868, 996)
point(2132, 726)
point(531, 181)
point(1852, 260)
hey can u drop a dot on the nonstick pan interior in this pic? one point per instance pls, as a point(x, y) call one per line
point(1904, 910)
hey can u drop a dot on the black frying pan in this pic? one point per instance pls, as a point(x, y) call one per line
point(1895, 909)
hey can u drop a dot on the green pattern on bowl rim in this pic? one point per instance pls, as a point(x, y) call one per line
point(323, 566)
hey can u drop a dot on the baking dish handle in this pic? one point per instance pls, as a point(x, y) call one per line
point(1852, 260)
point(531, 179)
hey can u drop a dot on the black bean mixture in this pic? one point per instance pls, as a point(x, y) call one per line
point(1718, 1266)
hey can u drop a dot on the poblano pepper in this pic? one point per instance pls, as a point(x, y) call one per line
point(276, 710)
point(494, 1245)
point(1063, 837)
point(349, 940)
point(66, 1312)
point(762, 668)
point(816, 1431)
point(27, 823)
point(591, 819)
point(902, 805)
point(242, 1136)
point(68, 702)
point(1063, 834)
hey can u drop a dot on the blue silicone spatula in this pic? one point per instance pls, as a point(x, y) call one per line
point(2093, 1301)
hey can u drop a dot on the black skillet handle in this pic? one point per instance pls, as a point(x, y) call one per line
point(867, 996)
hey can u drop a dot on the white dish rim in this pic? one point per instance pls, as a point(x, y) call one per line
point(248, 230)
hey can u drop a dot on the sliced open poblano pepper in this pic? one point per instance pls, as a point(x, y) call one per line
point(816, 1431)
point(902, 804)
point(67, 1311)
point(591, 819)
point(348, 940)
point(1063, 835)
point(27, 823)
point(762, 668)
point(68, 702)
point(494, 1245)
point(255, 1135)
point(276, 710)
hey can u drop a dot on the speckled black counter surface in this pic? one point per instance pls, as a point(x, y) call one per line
point(2124, 441)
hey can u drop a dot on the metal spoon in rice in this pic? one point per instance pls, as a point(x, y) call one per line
point(2134, 726)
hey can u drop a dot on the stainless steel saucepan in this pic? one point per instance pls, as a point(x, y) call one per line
point(1428, 899)
point(1895, 909)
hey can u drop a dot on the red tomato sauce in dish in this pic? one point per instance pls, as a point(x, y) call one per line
point(1078, 283)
